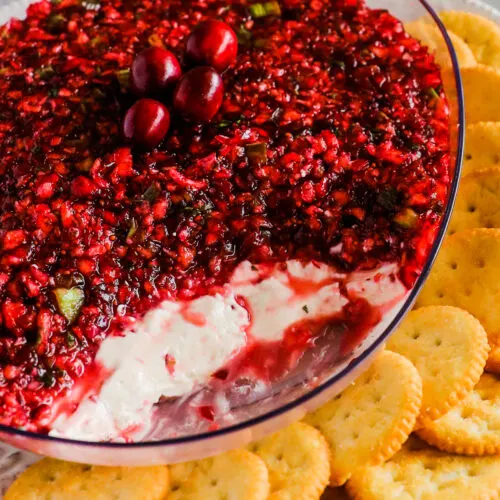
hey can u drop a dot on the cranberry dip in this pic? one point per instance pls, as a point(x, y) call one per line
point(197, 191)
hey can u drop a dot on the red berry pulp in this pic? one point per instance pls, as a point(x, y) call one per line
point(153, 71)
point(212, 43)
point(146, 123)
point(332, 144)
point(199, 94)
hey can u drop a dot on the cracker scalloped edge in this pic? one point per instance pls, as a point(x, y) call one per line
point(462, 388)
point(401, 433)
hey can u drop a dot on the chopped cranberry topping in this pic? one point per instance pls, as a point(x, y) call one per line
point(153, 71)
point(331, 144)
point(207, 412)
point(212, 43)
point(146, 123)
point(199, 94)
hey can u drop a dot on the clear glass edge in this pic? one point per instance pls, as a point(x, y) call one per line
point(227, 431)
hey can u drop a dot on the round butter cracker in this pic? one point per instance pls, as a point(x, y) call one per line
point(480, 33)
point(478, 201)
point(372, 418)
point(432, 37)
point(236, 474)
point(478, 83)
point(493, 364)
point(482, 147)
point(58, 480)
point(473, 427)
point(449, 348)
point(466, 274)
point(428, 474)
point(298, 461)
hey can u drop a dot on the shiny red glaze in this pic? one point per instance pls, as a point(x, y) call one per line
point(199, 94)
point(212, 43)
point(154, 70)
point(146, 123)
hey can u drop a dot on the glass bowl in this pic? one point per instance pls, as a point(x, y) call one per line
point(307, 388)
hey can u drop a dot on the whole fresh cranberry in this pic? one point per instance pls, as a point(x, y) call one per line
point(153, 71)
point(146, 123)
point(199, 94)
point(212, 43)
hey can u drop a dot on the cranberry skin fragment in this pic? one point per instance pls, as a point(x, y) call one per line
point(212, 43)
point(199, 94)
point(154, 70)
point(146, 123)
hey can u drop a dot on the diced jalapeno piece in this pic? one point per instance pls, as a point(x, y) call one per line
point(69, 302)
point(407, 218)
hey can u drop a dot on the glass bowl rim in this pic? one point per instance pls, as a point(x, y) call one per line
point(205, 436)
